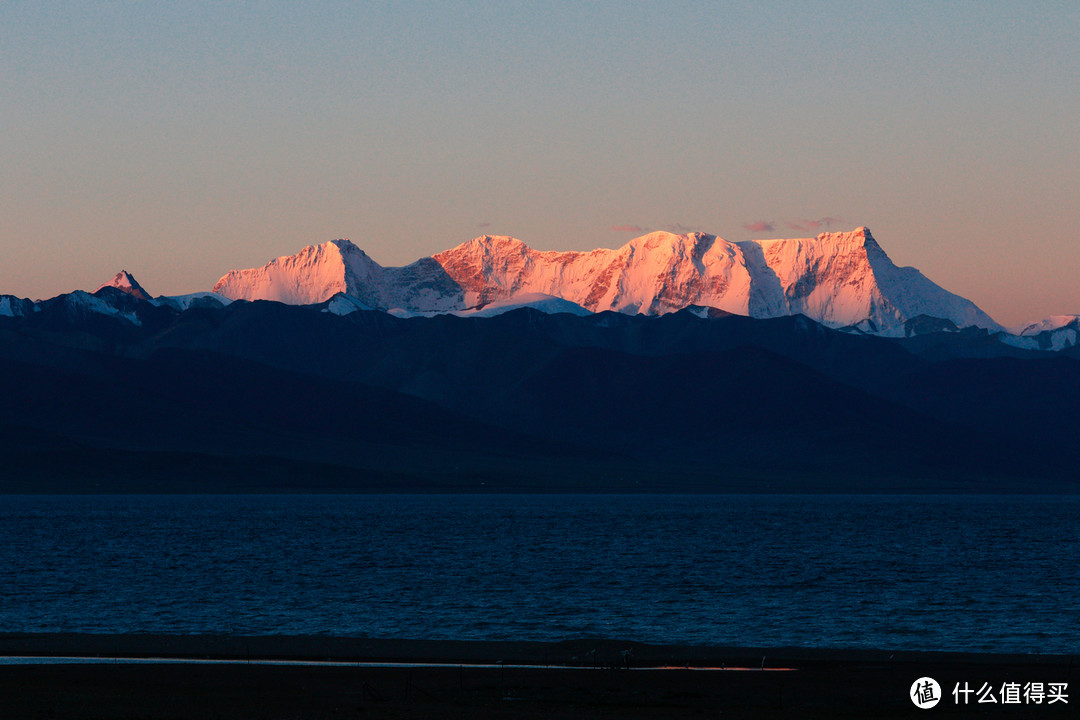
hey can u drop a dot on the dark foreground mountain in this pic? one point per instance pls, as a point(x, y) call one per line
point(263, 396)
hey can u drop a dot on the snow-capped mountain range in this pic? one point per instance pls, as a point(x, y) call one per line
point(675, 362)
point(843, 280)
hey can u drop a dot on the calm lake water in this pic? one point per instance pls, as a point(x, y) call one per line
point(972, 573)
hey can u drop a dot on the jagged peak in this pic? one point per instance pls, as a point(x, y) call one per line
point(858, 237)
point(486, 245)
point(859, 234)
point(672, 242)
point(311, 275)
point(665, 236)
point(1049, 324)
point(333, 248)
point(496, 241)
point(826, 242)
point(126, 282)
point(657, 238)
point(341, 246)
point(659, 235)
point(346, 246)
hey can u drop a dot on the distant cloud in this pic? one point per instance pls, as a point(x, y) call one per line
point(628, 228)
point(483, 225)
point(811, 225)
point(760, 226)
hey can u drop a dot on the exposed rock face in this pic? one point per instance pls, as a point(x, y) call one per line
point(125, 283)
point(839, 279)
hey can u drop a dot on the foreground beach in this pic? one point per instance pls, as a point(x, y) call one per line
point(105, 676)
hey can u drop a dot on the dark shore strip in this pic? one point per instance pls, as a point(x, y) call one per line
point(584, 653)
point(476, 679)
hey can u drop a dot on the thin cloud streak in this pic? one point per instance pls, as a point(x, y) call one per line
point(812, 225)
point(760, 226)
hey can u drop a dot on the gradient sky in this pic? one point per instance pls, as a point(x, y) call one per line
point(180, 140)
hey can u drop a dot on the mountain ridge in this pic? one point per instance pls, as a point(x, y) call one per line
point(509, 388)
point(265, 394)
point(843, 280)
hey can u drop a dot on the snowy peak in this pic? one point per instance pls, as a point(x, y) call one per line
point(846, 280)
point(843, 280)
point(315, 274)
point(487, 268)
point(129, 286)
point(840, 279)
point(1056, 332)
point(1050, 324)
point(11, 306)
point(860, 236)
point(652, 274)
point(492, 245)
point(124, 282)
point(107, 301)
point(319, 272)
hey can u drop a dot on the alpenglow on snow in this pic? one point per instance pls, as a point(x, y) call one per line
point(843, 280)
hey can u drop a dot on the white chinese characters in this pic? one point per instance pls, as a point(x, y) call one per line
point(1012, 693)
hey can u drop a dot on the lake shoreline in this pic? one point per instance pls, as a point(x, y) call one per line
point(569, 679)
point(582, 653)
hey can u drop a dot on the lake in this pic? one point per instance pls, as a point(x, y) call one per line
point(962, 573)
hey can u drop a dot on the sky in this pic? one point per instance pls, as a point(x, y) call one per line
point(179, 140)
